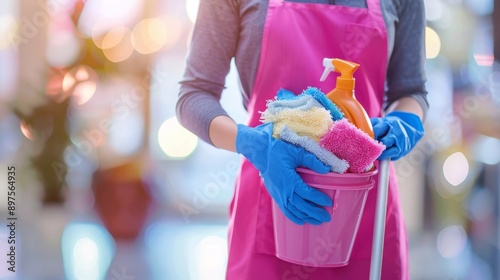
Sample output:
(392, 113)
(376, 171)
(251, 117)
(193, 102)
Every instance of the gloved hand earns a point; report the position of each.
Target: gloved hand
(399, 132)
(276, 160)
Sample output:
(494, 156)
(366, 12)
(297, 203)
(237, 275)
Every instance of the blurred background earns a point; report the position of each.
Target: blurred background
(110, 186)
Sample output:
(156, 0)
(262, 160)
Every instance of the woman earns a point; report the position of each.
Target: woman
(281, 44)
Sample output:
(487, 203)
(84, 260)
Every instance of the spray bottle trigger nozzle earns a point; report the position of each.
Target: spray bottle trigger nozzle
(327, 63)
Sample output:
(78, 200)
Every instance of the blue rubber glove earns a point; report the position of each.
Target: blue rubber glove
(276, 160)
(399, 132)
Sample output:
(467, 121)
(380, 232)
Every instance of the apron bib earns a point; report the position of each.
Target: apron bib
(296, 38)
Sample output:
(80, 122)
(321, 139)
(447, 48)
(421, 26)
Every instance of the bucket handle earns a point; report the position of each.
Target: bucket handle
(335, 196)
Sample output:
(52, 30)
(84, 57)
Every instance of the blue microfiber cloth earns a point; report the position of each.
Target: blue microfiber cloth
(337, 165)
(284, 94)
(302, 102)
(335, 112)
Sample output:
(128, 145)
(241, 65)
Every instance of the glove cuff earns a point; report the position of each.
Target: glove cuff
(242, 136)
(409, 118)
(251, 140)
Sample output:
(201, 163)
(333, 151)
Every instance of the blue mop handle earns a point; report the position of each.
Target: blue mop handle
(378, 233)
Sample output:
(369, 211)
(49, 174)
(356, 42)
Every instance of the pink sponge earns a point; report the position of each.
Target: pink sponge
(350, 143)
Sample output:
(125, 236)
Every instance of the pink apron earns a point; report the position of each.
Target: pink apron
(297, 36)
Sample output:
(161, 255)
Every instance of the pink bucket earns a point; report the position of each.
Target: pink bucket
(329, 244)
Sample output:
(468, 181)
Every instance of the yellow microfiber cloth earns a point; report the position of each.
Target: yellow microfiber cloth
(312, 123)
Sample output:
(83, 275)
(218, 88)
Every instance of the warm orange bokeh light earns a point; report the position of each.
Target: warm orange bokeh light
(27, 131)
(84, 91)
(149, 35)
(117, 44)
(81, 82)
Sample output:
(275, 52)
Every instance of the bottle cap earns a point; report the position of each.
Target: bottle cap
(346, 69)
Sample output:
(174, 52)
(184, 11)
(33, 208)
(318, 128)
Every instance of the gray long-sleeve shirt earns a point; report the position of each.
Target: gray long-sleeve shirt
(227, 29)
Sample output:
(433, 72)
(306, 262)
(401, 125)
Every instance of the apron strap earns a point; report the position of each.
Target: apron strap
(371, 4)
(374, 5)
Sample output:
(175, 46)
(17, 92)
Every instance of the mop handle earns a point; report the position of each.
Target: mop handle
(378, 233)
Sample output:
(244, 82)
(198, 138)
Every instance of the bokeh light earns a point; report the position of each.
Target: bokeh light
(86, 258)
(487, 150)
(63, 48)
(100, 16)
(175, 140)
(82, 73)
(27, 131)
(211, 258)
(84, 91)
(68, 82)
(54, 86)
(117, 44)
(114, 37)
(456, 168)
(484, 59)
(192, 9)
(149, 35)
(8, 29)
(81, 82)
(432, 43)
(194, 250)
(87, 251)
(451, 241)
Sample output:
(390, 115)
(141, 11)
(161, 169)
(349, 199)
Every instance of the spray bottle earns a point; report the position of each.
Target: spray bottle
(343, 94)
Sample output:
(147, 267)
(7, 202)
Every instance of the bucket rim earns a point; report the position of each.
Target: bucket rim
(361, 187)
(333, 174)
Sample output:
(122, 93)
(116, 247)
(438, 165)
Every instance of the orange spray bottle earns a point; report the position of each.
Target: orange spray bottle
(343, 94)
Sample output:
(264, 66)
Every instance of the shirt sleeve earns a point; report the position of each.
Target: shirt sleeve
(213, 45)
(406, 70)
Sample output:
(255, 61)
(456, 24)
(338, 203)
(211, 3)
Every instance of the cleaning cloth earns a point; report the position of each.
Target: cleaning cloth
(337, 165)
(335, 112)
(312, 123)
(350, 143)
(301, 102)
(284, 94)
